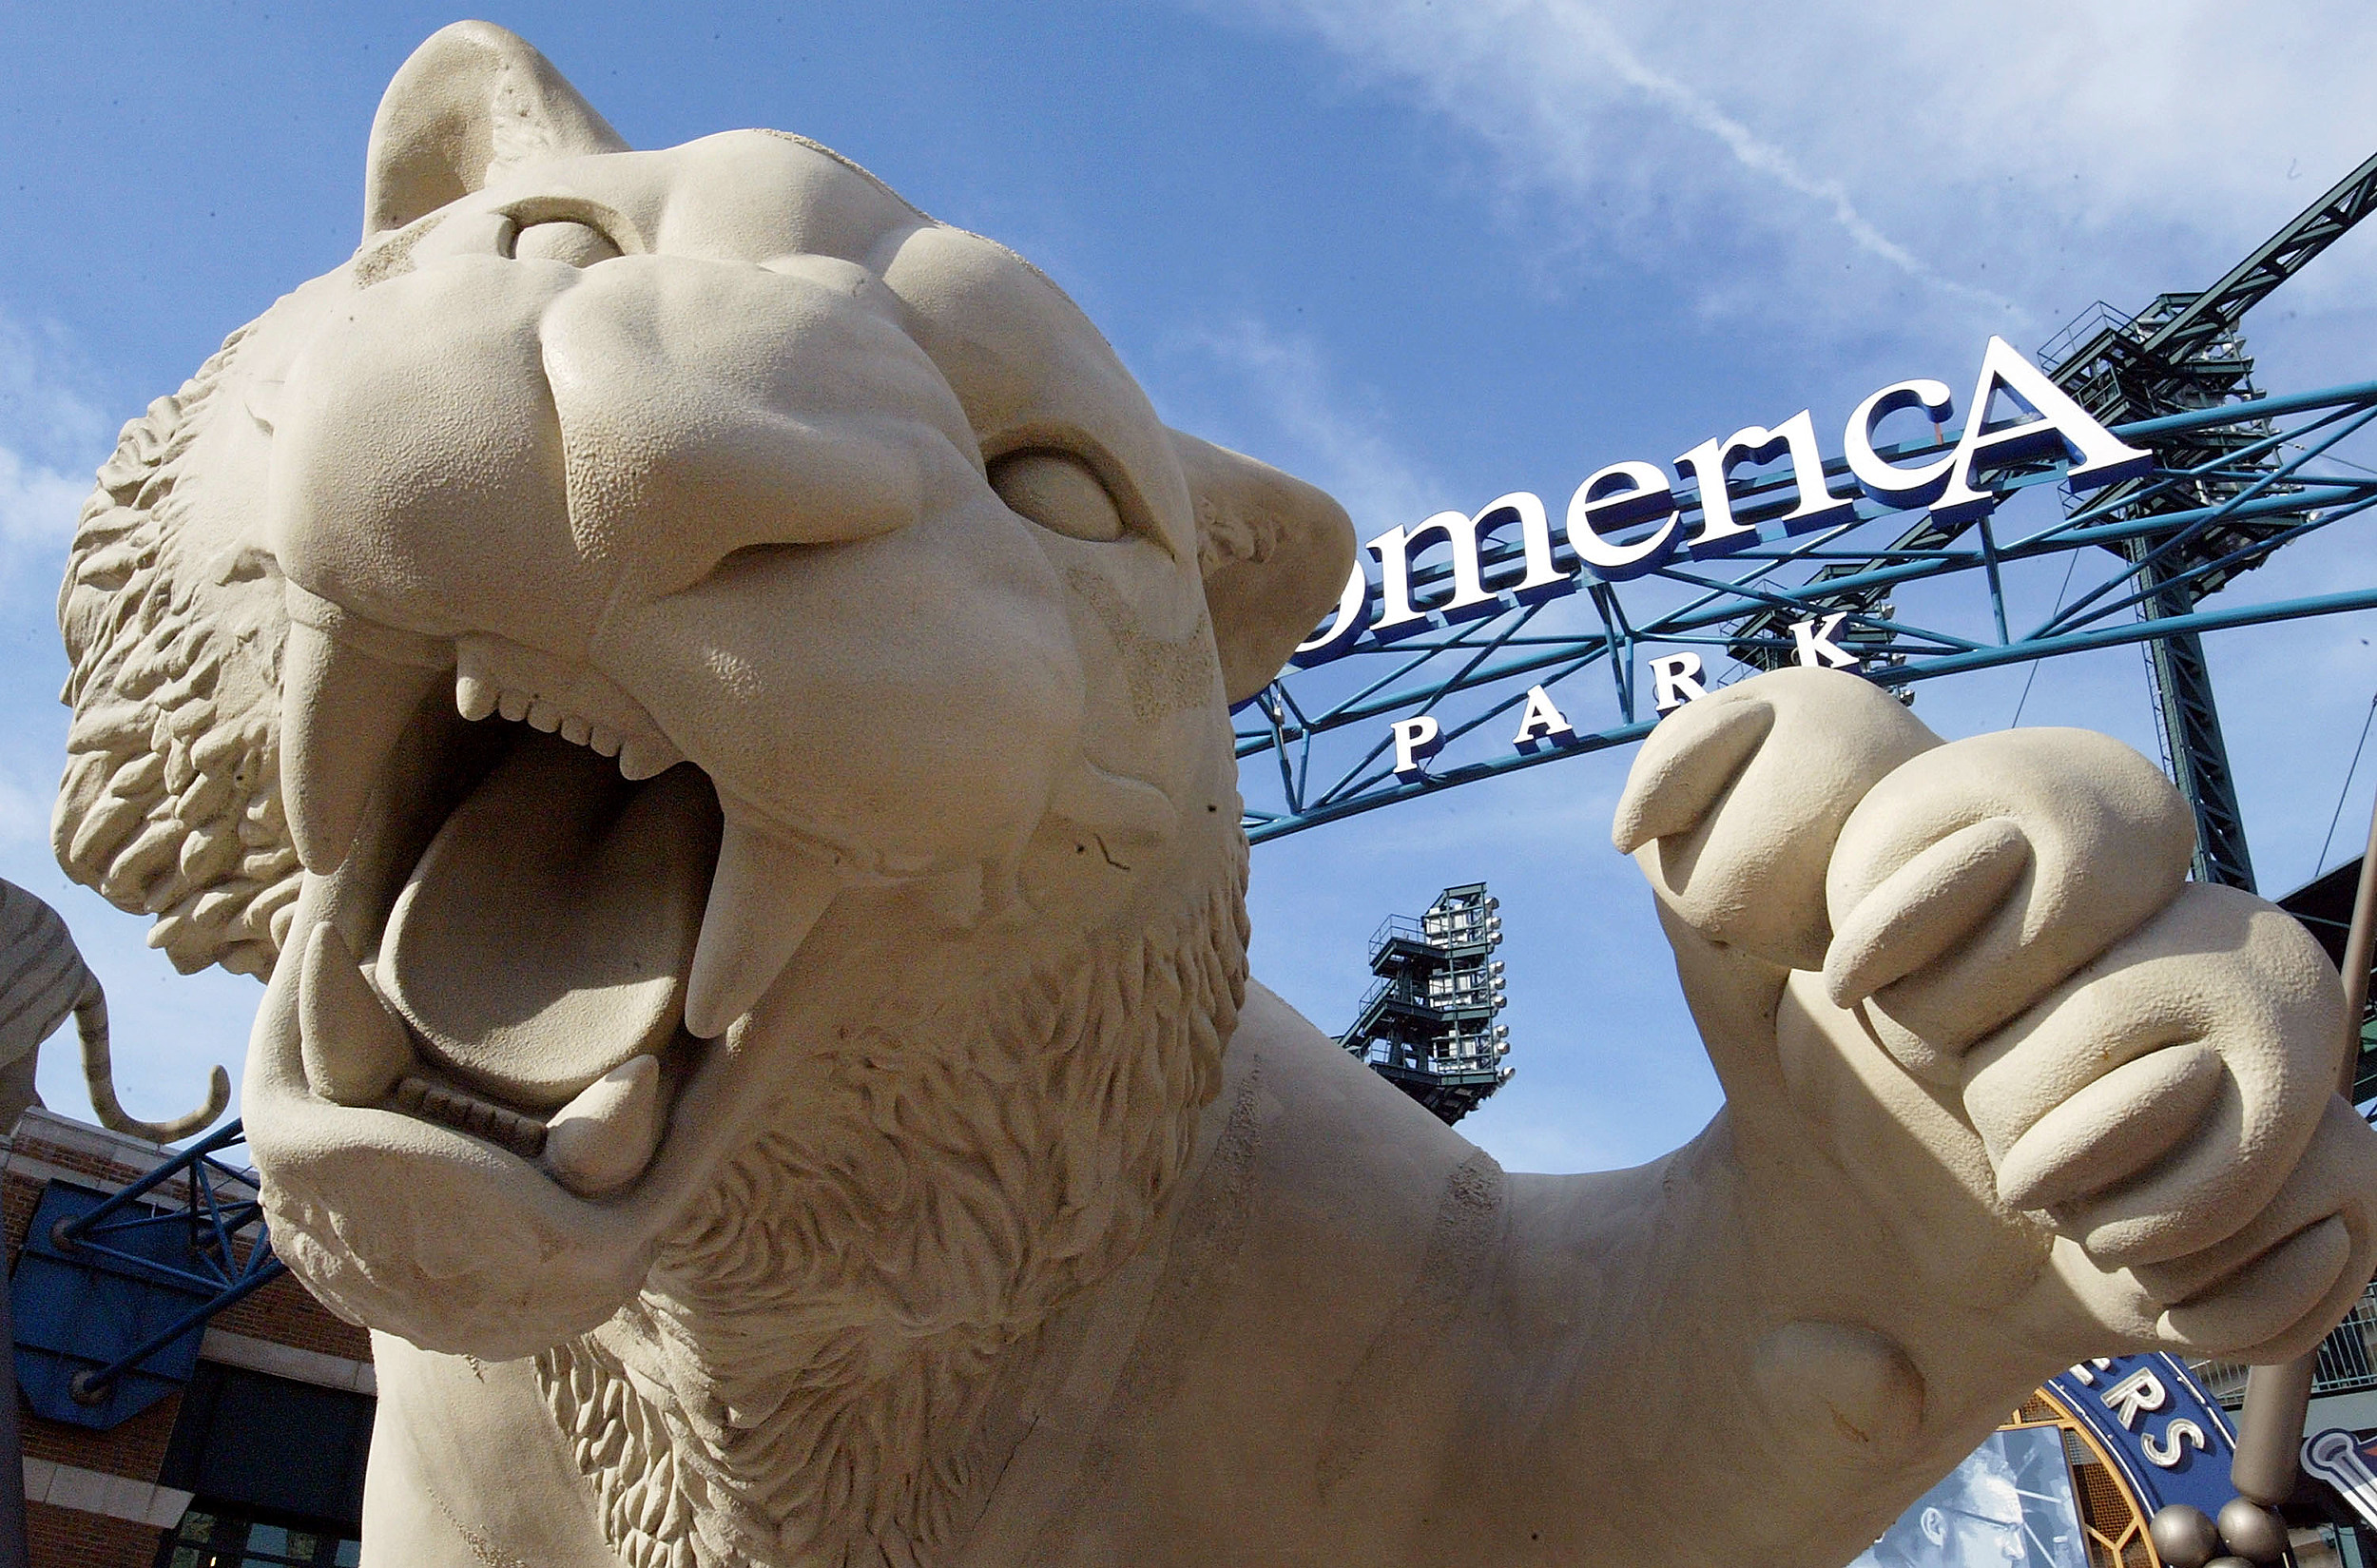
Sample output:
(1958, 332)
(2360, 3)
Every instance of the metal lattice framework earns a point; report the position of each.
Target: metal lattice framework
(2237, 476)
(114, 1291)
(1427, 1026)
(1916, 609)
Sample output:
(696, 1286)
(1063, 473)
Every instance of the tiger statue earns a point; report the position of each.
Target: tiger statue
(706, 691)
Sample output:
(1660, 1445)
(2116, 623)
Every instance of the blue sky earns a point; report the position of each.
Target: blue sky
(1422, 254)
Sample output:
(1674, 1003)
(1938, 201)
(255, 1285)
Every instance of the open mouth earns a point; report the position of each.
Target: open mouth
(546, 972)
(536, 917)
(514, 1031)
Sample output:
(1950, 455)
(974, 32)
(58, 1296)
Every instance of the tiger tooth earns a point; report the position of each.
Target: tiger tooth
(474, 696)
(341, 710)
(765, 897)
(466, 1112)
(605, 1137)
(355, 1049)
(644, 757)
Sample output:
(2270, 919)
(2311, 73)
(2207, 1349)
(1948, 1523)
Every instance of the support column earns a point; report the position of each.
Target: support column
(2191, 732)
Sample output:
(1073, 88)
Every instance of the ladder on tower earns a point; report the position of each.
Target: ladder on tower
(1427, 1025)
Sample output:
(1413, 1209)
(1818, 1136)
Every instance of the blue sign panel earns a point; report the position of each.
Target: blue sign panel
(2170, 1440)
(77, 1311)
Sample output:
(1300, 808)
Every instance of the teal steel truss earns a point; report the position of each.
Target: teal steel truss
(2233, 484)
(2237, 477)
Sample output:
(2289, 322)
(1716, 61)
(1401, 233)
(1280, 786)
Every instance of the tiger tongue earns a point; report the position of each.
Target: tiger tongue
(544, 938)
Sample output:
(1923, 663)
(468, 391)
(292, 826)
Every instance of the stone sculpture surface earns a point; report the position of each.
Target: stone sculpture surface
(42, 982)
(761, 1028)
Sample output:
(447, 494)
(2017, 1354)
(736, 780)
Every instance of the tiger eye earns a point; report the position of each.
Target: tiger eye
(564, 240)
(1059, 492)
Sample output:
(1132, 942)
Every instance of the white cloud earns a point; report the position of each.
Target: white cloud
(50, 437)
(24, 808)
(37, 503)
(1998, 164)
(1315, 427)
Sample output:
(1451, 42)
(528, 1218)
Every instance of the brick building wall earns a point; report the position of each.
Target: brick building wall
(93, 1497)
(71, 1535)
(135, 1449)
(284, 1313)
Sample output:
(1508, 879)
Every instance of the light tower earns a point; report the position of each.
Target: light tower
(1427, 1026)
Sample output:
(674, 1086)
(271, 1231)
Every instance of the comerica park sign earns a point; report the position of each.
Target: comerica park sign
(1625, 521)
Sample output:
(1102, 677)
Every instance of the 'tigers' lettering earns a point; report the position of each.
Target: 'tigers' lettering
(1623, 522)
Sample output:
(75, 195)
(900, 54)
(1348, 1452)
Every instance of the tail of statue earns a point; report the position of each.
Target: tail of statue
(42, 979)
(90, 1021)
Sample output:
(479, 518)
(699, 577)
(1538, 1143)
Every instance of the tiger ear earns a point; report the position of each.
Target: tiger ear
(472, 100)
(1275, 553)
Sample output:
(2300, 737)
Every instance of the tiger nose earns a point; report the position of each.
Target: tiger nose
(710, 407)
(417, 459)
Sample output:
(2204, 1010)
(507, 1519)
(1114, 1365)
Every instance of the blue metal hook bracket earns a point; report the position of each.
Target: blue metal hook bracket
(112, 1293)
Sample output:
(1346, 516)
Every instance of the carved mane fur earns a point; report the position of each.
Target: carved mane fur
(170, 805)
(800, 1381)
